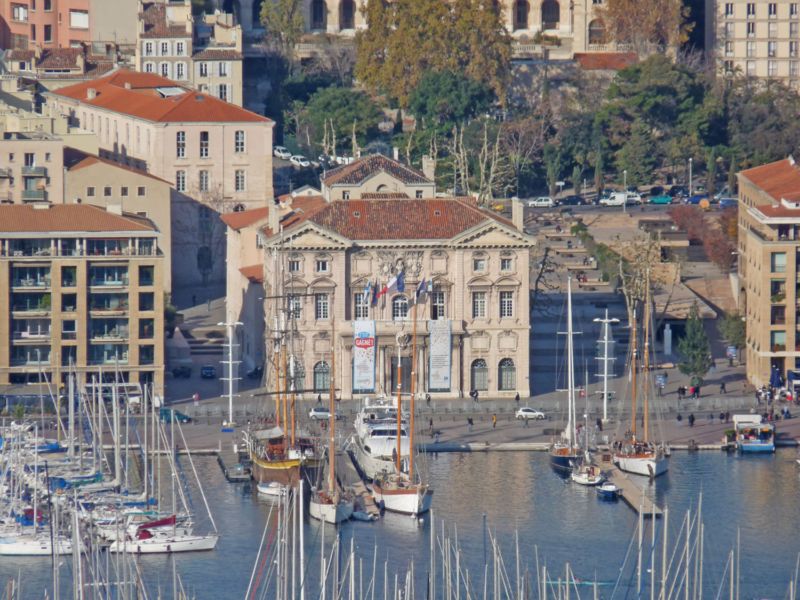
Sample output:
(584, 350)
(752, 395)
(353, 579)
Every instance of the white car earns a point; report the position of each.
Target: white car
(541, 202)
(530, 413)
(319, 413)
(281, 152)
(615, 199)
(298, 160)
(633, 198)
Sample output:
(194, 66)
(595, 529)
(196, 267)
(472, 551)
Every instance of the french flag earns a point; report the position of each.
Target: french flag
(395, 283)
(424, 287)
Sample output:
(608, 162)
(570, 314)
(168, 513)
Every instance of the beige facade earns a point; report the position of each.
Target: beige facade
(573, 22)
(32, 167)
(320, 266)
(202, 52)
(756, 39)
(769, 267)
(114, 21)
(376, 175)
(82, 289)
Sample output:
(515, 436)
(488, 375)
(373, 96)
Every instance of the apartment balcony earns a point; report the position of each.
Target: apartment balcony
(110, 335)
(31, 336)
(113, 281)
(5, 173)
(34, 195)
(31, 283)
(33, 171)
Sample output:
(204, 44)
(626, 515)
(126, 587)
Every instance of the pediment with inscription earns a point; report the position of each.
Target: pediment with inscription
(492, 235)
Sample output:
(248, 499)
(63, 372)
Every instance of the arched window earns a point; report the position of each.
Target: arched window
(238, 208)
(521, 10)
(506, 375)
(551, 14)
(322, 377)
(597, 32)
(318, 14)
(479, 375)
(347, 14)
(400, 308)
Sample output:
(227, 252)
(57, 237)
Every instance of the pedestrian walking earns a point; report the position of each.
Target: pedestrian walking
(691, 419)
(599, 423)
(722, 388)
(494, 421)
(430, 425)
(527, 422)
(727, 417)
(319, 398)
(721, 417)
(428, 399)
(680, 418)
(469, 424)
(516, 398)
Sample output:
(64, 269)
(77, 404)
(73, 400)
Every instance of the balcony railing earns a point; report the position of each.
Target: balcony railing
(69, 335)
(34, 195)
(33, 171)
(30, 282)
(109, 360)
(111, 334)
(31, 335)
(108, 282)
(25, 362)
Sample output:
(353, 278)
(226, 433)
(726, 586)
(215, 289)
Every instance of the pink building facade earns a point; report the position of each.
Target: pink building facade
(25, 24)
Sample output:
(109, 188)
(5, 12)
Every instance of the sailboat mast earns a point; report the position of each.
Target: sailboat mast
(634, 350)
(399, 406)
(570, 369)
(646, 363)
(332, 419)
(285, 390)
(413, 392)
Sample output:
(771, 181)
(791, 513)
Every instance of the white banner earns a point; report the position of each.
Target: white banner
(439, 356)
(363, 357)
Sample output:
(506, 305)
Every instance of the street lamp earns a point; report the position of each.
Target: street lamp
(690, 177)
(230, 325)
(625, 189)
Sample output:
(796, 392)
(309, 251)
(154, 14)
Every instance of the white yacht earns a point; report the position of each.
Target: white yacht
(375, 439)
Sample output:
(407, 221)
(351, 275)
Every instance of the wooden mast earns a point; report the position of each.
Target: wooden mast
(277, 362)
(285, 393)
(633, 376)
(646, 359)
(332, 417)
(413, 392)
(399, 406)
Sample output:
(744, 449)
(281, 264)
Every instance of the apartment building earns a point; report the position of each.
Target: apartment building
(203, 52)
(769, 267)
(82, 290)
(756, 39)
(575, 23)
(52, 68)
(25, 24)
(216, 155)
(31, 167)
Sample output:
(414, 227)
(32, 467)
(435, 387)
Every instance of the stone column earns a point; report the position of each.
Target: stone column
(333, 16)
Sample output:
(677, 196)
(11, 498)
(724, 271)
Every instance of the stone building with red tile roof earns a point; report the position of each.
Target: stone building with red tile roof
(473, 326)
(84, 294)
(769, 267)
(378, 174)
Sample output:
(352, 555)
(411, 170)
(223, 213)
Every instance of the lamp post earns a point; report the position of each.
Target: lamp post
(230, 325)
(625, 189)
(690, 177)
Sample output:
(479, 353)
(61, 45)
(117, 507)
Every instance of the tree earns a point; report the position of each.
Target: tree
(407, 38)
(636, 155)
(444, 98)
(284, 23)
(647, 25)
(733, 330)
(695, 348)
(343, 110)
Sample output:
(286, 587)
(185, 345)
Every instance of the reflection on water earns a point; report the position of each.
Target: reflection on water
(516, 492)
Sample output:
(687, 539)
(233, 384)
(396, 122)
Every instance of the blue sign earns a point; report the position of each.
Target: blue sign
(731, 352)
(661, 381)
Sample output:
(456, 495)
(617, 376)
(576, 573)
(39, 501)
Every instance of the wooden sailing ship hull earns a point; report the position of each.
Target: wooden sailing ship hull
(647, 464)
(285, 472)
(411, 500)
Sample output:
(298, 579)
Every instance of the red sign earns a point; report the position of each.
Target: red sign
(365, 342)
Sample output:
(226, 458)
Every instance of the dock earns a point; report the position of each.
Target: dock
(359, 487)
(631, 493)
(232, 465)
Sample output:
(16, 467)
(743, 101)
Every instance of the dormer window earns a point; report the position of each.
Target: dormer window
(322, 266)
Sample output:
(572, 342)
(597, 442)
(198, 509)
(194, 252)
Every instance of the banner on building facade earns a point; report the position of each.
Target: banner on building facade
(363, 357)
(439, 356)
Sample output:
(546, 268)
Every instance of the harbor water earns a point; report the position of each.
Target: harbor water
(517, 492)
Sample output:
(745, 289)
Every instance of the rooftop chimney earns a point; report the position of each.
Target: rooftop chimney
(274, 217)
(518, 214)
(429, 167)
(91, 94)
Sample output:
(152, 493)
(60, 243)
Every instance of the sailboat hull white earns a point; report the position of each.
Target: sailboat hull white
(648, 466)
(33, 546)
(330, 513)
(414, 500)
(374, 465)
(167, 545)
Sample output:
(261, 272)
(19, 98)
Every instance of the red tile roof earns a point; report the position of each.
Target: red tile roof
(254, 273)
(142, 100)
(363, 168)
(218, 54)
(60, 58)
(778, 179)
(16, 54)
(244, 218)
(20, 218)
(154, 15)
(408, 219)
(605, 61)
(777, 212)
(75, 160)
(301, 208)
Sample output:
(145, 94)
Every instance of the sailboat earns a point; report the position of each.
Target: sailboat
(639, 455)
(587, 473)
(565, 453)
(331, 505)
(400, 491)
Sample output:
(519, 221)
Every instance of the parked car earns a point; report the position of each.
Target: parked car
(526, 413)
(182, 371)
(728, 203)
(656, 190)
(661, 199)
(633, 198)
(281, 152)
(298, 160)
(166, 415)
(696, 199)
(319, 413)
(541, 202)
(208, 372)
(679, 191)
(572, 200)
(615, 199)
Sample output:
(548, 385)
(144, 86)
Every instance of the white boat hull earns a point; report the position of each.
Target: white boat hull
(272, 489)
(166, 544)
(34, 546)
(374, 466)
(414, 500)
(330, 513)
(649, 466)
(584, 478)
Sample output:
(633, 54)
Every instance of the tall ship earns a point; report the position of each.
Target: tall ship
(375, 438)
(638, 453)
